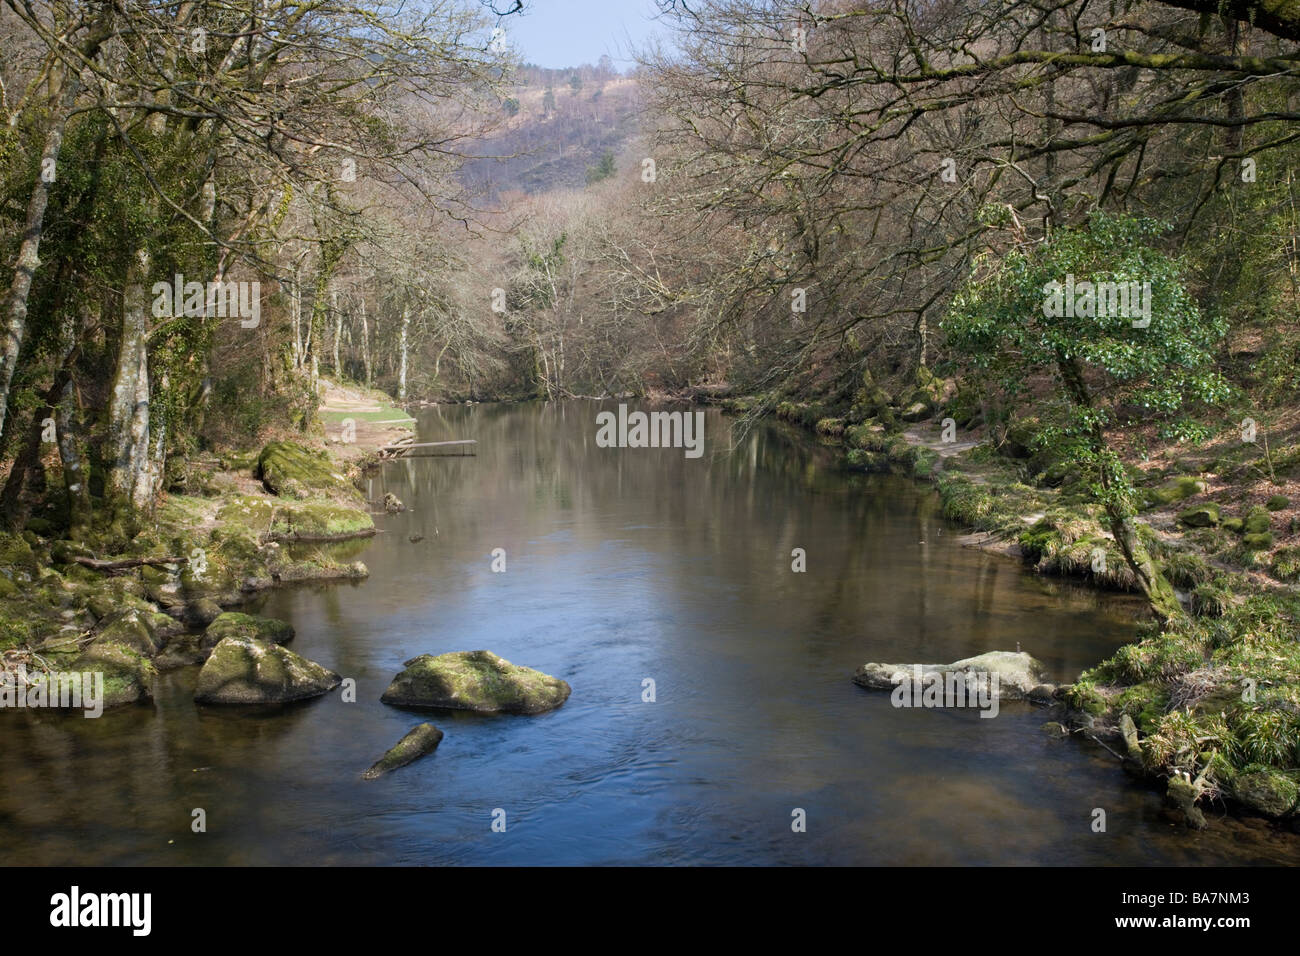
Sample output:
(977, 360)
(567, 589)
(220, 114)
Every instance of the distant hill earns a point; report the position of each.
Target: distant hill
(561, 124)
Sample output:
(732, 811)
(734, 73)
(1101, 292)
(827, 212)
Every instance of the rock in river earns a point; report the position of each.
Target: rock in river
(128, 675)
(421, 740)
(475, 680)
(234, 624)
(1018, 673)
(245, 670)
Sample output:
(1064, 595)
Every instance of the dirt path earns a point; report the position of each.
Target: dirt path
(359, 420)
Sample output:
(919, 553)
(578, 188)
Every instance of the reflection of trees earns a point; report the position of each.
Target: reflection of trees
(721, 524)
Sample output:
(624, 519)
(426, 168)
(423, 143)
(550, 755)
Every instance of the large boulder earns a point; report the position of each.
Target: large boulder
(1268, 792)
(131, 628)
(1018, 673)
(246, 670)
(291, 470)
(479, 681)
(235, 624)
(128, 675)
(421, 740)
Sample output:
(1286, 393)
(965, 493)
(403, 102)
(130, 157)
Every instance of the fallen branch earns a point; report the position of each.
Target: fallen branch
(112, 567)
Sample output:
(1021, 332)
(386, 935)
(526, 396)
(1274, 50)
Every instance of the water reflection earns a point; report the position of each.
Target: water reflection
(623, 566)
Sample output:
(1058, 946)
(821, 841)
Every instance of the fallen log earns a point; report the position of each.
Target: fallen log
(112, 567)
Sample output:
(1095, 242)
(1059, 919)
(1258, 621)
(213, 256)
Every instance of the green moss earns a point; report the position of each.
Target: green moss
(420, 740)
(1200, 517)
(475, 680)
(235, 624)
(1277, 503)
(1182, 487)
(1258, 521)
(290, 470)
(1257, 542)
(244, 670)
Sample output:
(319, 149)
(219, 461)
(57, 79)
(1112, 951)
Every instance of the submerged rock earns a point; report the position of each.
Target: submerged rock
(475, 680)
(1018, 673)
(183, 651)
(201, 612)
(421, 740)
(235, 624)
(246, 670)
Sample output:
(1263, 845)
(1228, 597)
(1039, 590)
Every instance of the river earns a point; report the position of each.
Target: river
(624, 566)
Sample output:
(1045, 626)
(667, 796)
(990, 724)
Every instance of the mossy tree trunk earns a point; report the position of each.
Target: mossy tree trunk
(1155, 588)
(127, 486)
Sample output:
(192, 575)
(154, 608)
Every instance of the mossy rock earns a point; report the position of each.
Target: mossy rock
(1278, 503)
(1235, 525)
(420, 740)
(320, 521)
(43, 527)
(16, 555)
(917, 411)
(1257, 542)
(1258, 521)
(1202, 516)
(290, 470)
(234, 624)
(128, 676)
(478, 681)
(1268, 792)
(1021, 438)
(1176, 490)
(130, 629)
(244, 670)
(183, 651)
(290, 572)
(201, 612)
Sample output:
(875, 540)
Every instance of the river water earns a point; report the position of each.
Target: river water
(624, 566)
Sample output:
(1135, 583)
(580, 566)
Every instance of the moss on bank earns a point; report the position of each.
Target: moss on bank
(205, 549)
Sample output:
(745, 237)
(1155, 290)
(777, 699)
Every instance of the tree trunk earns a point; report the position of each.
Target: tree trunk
(365, 343)
(338, 330)
(28, 259)
(295, 306)
(1155, 588)
(127, 486)
(76, 481)
(401, 375)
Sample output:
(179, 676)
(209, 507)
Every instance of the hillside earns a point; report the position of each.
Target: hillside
(557, 131)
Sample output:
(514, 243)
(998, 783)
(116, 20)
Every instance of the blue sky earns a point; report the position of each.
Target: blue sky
(560, 33)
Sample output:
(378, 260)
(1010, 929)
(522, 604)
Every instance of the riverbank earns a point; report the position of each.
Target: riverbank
(232, 526)
(1209, 706)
